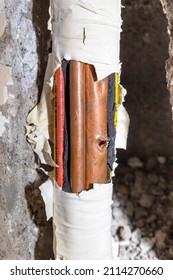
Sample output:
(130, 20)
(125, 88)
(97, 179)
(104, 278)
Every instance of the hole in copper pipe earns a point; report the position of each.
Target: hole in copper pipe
(102, 144)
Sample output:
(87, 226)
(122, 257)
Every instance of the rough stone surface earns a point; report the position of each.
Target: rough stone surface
(21, 230)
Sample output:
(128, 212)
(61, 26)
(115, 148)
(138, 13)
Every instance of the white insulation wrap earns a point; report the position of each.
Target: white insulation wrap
(83, 30)
(82, 224)
(87, 31)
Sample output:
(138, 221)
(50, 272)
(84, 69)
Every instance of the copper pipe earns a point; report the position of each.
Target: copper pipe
(96, 128)
(77, 126)
(59, 107)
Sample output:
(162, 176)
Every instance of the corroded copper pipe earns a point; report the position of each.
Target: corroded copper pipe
(96, 128)
(77, 126)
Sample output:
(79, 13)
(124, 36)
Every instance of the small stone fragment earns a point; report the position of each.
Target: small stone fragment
(152, 255)
(129, 208)
(124, 232)
(135, 162)
(139, 184)
(146, 200)
(161, 238)
(151, 219)
(146, 244)
(161, 159)
(136, 236)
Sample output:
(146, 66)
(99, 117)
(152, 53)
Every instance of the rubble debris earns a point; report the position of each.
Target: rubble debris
(142, 209)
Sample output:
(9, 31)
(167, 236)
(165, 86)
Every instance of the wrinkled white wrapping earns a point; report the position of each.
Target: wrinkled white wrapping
(122, 128)
(47, 194)
(87, 31)
(82, 224)
(40, 120)
(123, 122)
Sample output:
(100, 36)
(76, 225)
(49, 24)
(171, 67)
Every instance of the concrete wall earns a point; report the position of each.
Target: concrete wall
(22, 48)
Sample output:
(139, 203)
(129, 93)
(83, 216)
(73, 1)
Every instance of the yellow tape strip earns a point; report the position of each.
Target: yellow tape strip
(55, 125)
(118, 98)
(118, 101)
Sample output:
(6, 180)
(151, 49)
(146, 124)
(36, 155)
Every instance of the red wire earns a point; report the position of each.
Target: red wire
(60, 125)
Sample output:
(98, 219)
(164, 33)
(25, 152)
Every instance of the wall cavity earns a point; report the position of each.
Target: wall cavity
(144, 50)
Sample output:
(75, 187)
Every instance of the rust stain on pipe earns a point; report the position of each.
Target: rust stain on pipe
(77, 126)
(96, 128)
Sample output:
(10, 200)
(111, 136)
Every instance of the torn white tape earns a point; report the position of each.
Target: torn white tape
(81, 221)
(47, 194)
(82, 224)
(87, 31)
(40, 121)
(122, 128)
(123, 122)
(42, 114)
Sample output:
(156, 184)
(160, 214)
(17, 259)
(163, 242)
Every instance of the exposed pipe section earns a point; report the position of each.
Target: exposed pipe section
(59, 125)
(77, 126)
(96, 128)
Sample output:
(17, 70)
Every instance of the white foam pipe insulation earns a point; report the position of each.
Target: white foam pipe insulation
(86, 31)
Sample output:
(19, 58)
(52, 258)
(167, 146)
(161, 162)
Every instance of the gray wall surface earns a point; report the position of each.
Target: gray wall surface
(23, 47)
